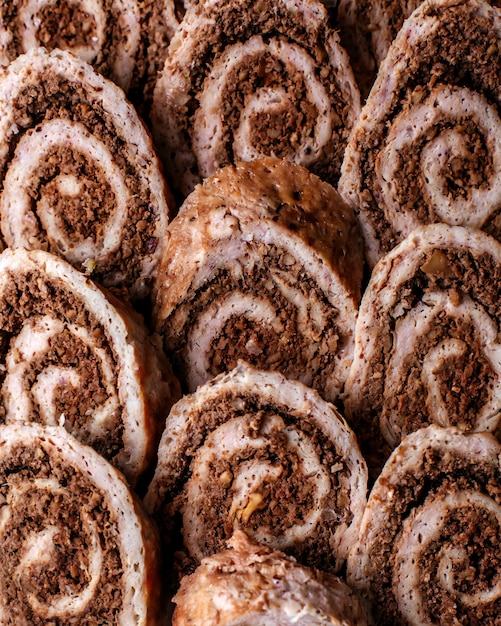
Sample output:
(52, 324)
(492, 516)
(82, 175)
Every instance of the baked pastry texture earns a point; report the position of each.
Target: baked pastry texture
(427, 340)
(244, 80)
(253, 451)
(263, 262)
(73, 355)
(75, 544)
(252, 584)
(106, 34)
(78, 172)
(426, 147)
(428, 551)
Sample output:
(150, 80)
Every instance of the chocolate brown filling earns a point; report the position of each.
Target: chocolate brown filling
(464, 380)
(456, 53)
(81, 216)
(55, 97)
(285, 501)
(67, 571)
(297, 349)
(474, 531)
(65, 26)
(31, 295)
(459, 175)
(233, 24)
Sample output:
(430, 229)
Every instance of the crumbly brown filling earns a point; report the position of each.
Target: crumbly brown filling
(279, 133)
(55, 97)
(284, 501)
(65, 26)
(232, 24)
(274, 133)
(465, 380)
(458, 177)
(31, 295)
(300, 350)
(465, 383)
(85, 214)
(66, 571)
(479, 533)
(467, 60)
(474, 531)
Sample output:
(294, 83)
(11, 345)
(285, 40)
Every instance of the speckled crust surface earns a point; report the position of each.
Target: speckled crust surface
(263, 262)
(426, 147)
(246, 79)
(428, 551)
(254, 451)
(78, 172)
(427, 340)
(252, 584)
(73, 355)
(76, 546)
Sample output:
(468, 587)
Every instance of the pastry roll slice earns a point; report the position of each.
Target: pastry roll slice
(252, 584)
(264, 263)
(75, 544)
(78, 173)
(244, 80)
(72, 355)
(253, 451)
(106, 34)
(428, 551)
(427, 340)
(427, 146)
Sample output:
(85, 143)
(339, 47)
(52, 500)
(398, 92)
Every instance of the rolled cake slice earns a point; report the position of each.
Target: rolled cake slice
(106, 34)
(72, 355)
(75, 544)
(78, 172)
(252, 584)
(264, 263)
(427, 340)
(368, 28)
(428, 551)
(244, 80)
(256, 452)
(427, 146)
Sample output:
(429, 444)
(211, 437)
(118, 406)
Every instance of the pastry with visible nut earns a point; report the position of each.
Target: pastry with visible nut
(253, 451)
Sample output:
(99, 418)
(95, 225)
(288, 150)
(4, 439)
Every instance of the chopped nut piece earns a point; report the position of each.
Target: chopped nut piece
(225, 479)
(255, 503)
(436, 264)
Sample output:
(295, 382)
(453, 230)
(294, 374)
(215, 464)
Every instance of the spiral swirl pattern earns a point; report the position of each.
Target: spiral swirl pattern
(72, 356)
(427, 339)
(78, 173)
(265, 280)
(426, 147)
(106, 35)
(271, 457)
(75, 545)
(243, 81)
(427, 552)
(253, 584)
